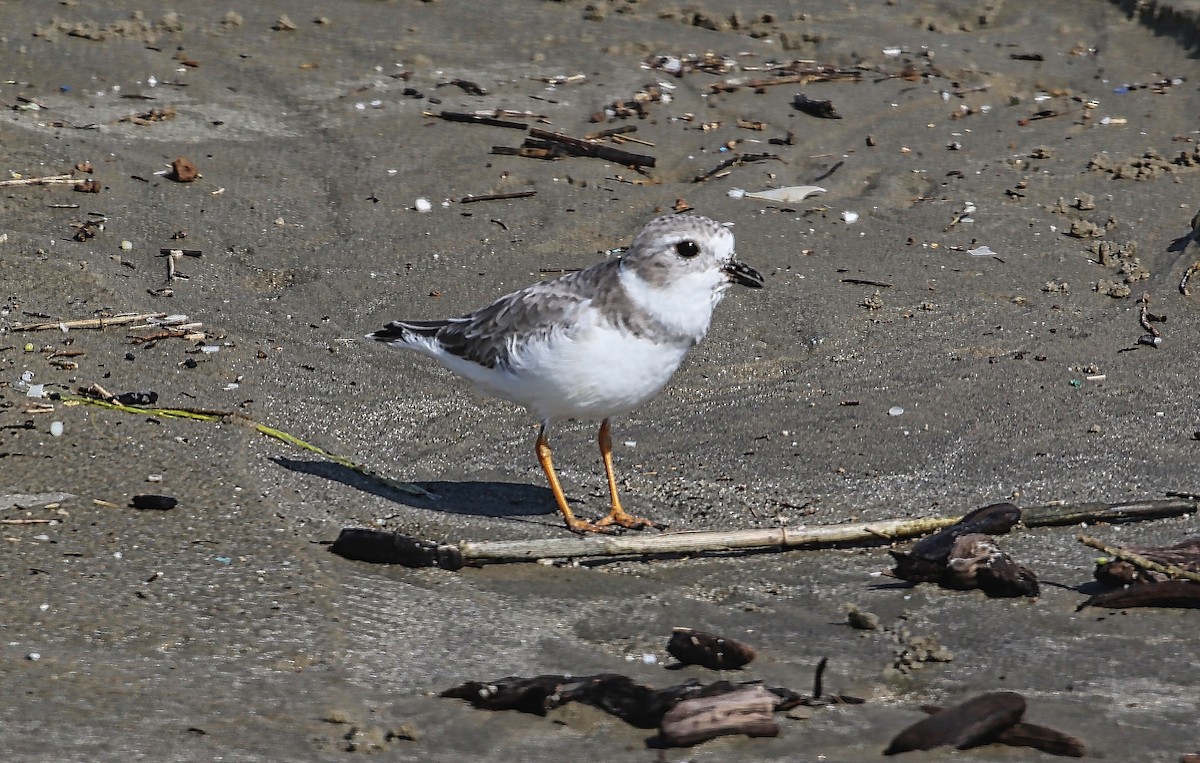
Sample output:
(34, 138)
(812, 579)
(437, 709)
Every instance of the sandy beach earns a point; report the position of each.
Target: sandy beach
(957, 320)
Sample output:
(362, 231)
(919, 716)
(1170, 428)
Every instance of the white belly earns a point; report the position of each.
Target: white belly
(589, 375)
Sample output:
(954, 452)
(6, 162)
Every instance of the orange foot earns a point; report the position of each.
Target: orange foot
(628, 521)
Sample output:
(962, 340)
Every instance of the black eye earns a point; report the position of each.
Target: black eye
(687, 249)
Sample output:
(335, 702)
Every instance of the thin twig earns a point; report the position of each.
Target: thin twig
(205, 414)
(497, 196)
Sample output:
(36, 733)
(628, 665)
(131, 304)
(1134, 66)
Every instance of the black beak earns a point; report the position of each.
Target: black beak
(743, 274)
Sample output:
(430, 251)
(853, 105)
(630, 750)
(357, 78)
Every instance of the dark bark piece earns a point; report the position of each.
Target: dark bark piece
(949, 560)
(381, 547)
(1182, 594)
(745, 711)
(528, 695)
(977, 562)
(153, 502)
(994, 519)
(693, 647)
(634, 703)
(974, 722)
(1044, 738)
(812, 107)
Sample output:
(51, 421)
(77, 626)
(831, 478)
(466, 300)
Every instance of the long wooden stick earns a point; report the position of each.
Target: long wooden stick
(799, 537)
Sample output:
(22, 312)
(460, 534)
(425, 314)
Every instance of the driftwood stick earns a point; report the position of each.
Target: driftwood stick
(799, 537)
(48, 180)
(1139, 560)
(699, 540)
(394, 548)
(89, 323)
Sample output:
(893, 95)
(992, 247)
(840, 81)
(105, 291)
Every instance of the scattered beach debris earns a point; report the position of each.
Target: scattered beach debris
(815, 108)
(1149, 576)
(737, 159)
(686, 714)
(692, 647)
(965, 556)
(992, 718)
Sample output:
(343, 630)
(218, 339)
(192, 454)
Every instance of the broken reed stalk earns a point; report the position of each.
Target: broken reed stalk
(781, 538)
(1138, 560)
(204, 414)
(95, 323)
(47, 180)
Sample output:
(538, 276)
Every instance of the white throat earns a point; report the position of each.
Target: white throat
(684, 306)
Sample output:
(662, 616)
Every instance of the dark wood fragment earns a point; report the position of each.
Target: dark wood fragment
(813, 107)
(745, 711)
(692, 647)
(381, 547)
(1183, 594)
(974, 722)
(153, 502)
(458, 116)
(580, 147)
(1044, 738)
(977, 562)
(528, 695)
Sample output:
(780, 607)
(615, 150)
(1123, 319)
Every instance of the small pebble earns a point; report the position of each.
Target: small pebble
(850, 217)
(895, 410)
(423, 205)
(33, 656)
(56, 428)
(126, 245)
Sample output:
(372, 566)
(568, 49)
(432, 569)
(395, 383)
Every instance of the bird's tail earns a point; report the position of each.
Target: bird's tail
(402, 333)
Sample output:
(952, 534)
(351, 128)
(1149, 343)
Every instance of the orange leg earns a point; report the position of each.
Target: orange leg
(616, 515)
(574, 524)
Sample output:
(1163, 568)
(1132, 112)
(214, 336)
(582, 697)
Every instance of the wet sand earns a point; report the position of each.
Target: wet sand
(224, 628)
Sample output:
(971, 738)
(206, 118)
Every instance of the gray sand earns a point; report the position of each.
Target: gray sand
(222, 629)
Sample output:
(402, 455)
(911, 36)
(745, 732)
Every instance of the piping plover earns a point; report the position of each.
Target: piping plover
(592, 344)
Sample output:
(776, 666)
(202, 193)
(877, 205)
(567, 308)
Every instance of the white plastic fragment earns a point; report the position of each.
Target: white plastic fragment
(891, 52)
(126, 245)
(56, 428)
(850, 217)
(736, 193)
(209, 349)
(895, 410)
(35, 390)
(981, 251)
(423, 205)
(789, 194)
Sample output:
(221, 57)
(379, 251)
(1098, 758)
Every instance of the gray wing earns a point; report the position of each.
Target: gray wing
(491, 334)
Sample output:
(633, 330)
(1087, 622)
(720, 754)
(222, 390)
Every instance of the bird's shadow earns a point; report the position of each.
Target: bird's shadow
(484, 499)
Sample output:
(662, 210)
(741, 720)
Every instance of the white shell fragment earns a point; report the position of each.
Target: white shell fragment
(790, 194)
(850, 217)
(423, 205)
